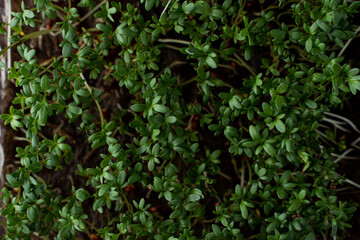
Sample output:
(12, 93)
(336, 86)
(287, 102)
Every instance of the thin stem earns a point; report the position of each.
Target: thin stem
(22, 139)
(250, 169)
(344, 119)
(209, 220)
(343, 155)
(167, 5)
(44, 69)
(92, 11)
(352, 183)
(96, 102)
(336, 124)
(59, 8)
(242, 183)
(325, 137)
(129, 207)
(162, 166)
(51, 62)
(187, 82)
(228, 67)
(283, 13)
(170, 66)
(90, 224)
(241, 62)
(29, 36)
(171, 40)
(348, 42)
(233, 161)
(172, 47)
(225, 176)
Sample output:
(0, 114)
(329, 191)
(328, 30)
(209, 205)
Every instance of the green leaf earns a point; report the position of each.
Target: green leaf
(354, 84)
(308, 44)
(302, 194)
(216, 230)
(156, 121)
(28, 13)
(45, 83)
(138, 107)
(254, 133)
(281, 192)
(278, 34)
(133, 178)
(16, 124)
(261, 172)
(295, 205)
(234, 103)
(267, 109)
(323, 25)
(70, 35)
(24, 72)
(161, 108)
(149, 4)
(67, 49)
(13, 182)
(170, 119)
(271, 227)
(210, 61)
(270, 149)
(110, 126)
(151, 165)
(188, 8)
(299, 74)
(144, 38)
(42, 114)
(29, 55)
(216, 13)
(280, 126)
(75, 109)
(243, 209)
(82, 194)
(289, 145)
(193, 197)
(247, 54)
(32, 214)
(353, 6)
(65, 147)
(230, 132)
(310, 103)
(310, 236)
(227, 4)
(179, 28)
(339, 34)
(158, 185)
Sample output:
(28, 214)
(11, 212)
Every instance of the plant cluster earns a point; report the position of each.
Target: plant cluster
(218, 141)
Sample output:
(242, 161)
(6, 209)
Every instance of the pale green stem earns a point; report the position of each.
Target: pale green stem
(27, 37)
(96, 102)
(172, 47)
(126, 201)
(92, 11)
(352, 183)
(171, 40)
(244, 64)
(250, 169)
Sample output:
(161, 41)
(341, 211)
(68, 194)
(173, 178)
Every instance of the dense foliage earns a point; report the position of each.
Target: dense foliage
(212, 133)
